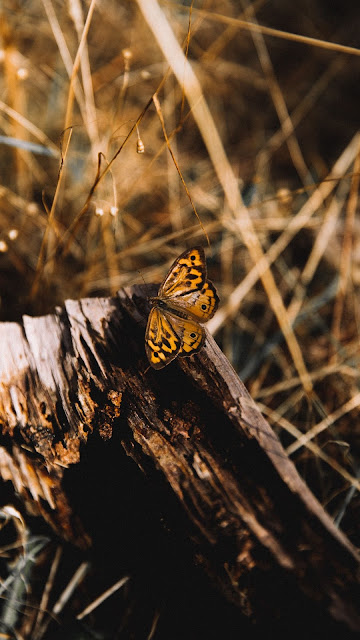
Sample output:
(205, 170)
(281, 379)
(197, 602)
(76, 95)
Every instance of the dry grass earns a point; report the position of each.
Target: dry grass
(250, 143)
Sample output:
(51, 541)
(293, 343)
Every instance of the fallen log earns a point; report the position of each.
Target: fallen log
(219, 476)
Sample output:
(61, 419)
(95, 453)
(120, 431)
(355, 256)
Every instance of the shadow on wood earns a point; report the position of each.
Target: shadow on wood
(178, 462)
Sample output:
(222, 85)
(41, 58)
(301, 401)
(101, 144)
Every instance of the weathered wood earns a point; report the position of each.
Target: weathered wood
(255, 526)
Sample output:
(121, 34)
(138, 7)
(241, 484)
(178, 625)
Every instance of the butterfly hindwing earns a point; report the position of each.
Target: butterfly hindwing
(191, 334)
(200, 305)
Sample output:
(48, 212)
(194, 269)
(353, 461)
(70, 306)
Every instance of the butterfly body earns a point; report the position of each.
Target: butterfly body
(185, 300)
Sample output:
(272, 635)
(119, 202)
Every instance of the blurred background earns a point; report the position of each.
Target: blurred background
(91, 199)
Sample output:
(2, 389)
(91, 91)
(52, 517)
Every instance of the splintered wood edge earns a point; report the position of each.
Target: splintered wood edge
(75, 328)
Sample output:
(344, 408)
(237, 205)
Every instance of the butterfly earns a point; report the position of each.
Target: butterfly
(185, 300)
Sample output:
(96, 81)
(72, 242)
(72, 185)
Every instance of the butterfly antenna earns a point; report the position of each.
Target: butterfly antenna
(141, 275)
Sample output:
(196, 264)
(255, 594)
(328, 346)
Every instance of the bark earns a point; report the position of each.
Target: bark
(211, 457)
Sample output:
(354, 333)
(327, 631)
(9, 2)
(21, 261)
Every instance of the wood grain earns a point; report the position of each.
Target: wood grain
(192, 428)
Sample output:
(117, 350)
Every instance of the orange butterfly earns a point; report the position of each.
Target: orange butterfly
(185, 299)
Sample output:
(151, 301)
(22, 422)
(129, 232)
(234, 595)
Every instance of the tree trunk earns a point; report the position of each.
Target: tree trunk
(216, 468)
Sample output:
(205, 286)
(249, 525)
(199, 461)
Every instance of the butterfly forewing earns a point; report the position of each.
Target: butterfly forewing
(162, 344)
(187, 273)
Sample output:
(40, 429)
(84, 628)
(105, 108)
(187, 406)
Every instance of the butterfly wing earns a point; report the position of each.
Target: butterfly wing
(187, 273)
(191, 334)
(168, 336)
(162, 344)
(201, 304)
(186, 288)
